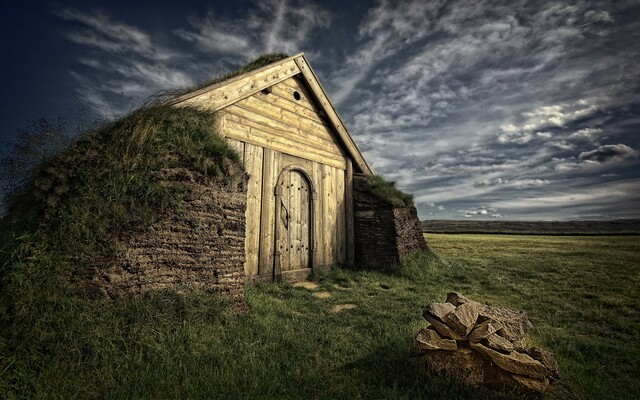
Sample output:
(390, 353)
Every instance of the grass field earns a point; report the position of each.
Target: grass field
(581, 294)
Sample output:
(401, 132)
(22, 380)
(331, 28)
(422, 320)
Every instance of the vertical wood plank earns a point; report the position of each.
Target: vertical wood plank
(253, 156)
(348, 186)
(328, 214)
(296, 231)
(294, 220)
(304, 223)
(341, 227)
(283, 224)
(298, 221)
(270, 173)
(318, 232)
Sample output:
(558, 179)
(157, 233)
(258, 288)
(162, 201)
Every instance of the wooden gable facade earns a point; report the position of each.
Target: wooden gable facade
(300, 160)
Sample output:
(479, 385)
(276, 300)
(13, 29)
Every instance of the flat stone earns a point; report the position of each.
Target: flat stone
(322, 295)
(464, 364)
(499, 343)
(518, 363)
(519, 384)
(442, 328)
(546, 358)
(457, 299)
(306, 285)
(481, 331)
(515, 324)
(439, 310)
(342, 307)
(462, 319)
(429, 339)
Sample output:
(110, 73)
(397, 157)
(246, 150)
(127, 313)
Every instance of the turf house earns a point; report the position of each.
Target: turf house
(251, 178)
(301, 163)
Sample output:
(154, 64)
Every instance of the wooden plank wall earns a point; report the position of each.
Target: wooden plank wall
(270, 172)
(267, 129)
(278, 121)
(253, 165)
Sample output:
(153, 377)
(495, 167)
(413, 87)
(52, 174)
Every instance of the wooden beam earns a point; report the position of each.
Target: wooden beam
(261, 137)
(348, 186)
(222, 94)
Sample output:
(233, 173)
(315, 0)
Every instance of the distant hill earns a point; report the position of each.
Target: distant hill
(612, 227)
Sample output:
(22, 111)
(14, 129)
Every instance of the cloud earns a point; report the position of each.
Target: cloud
(528, 183)
(544, 135)
(433, 205)
(605, 199)
(270, 26)
(592, 135)
(127, 61)
(103, 33)
(515, 138)
(512, 183)
(553, 116)
(489, 182)
(387, 28)
(481, 211)
(609, 152)
(463, 103)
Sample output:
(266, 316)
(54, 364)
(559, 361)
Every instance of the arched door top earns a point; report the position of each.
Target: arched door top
(292, 167)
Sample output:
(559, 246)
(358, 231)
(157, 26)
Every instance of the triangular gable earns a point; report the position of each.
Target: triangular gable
(223, 94)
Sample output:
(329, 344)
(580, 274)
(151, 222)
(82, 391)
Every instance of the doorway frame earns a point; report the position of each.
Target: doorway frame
(277, 272)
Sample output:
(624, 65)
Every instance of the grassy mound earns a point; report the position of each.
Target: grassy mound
(82, 201)
(388, 191)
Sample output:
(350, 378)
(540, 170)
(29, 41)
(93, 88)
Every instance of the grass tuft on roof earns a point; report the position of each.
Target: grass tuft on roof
(388, 191)
(262, 61)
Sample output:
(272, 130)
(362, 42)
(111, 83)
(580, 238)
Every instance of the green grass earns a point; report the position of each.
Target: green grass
(83, 202)
(387, 190)
(262, 61)
(580, 292)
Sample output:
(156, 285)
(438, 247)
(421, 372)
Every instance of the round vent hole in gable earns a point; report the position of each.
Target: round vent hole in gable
(296, 96)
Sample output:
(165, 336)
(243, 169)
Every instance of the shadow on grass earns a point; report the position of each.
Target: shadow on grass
(395, 372)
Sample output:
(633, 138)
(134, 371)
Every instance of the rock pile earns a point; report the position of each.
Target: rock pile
(484, 345)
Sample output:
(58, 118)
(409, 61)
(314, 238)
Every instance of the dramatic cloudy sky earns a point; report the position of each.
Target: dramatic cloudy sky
(483, 109)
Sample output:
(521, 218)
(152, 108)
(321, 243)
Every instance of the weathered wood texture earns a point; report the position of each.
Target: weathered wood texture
(270, 88)
(293, 225)
(274, 120)
(312, 229)
(220, 95)
(348, 212)
(253, 166)
(332, 115)
(270, 172)
(277, 122)
(285, 129)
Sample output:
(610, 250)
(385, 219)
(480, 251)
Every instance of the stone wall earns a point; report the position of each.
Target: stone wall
(384, 234)
(199, 244)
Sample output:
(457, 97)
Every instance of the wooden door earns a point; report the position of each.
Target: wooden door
(294, 227)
